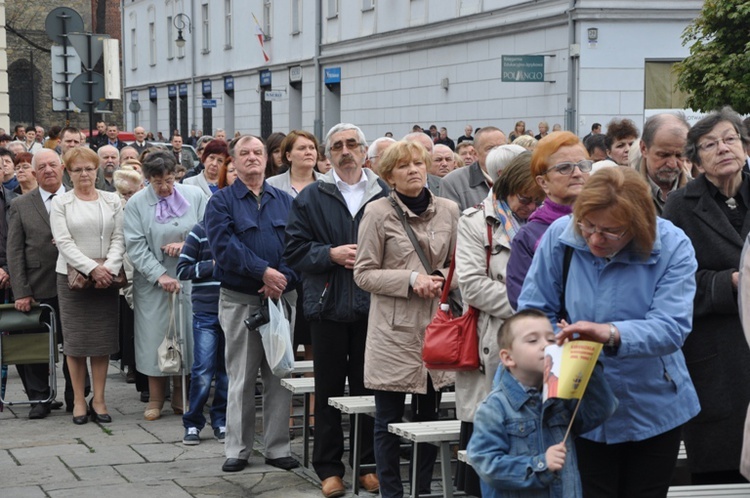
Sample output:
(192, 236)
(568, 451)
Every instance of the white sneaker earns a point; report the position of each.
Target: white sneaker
(220, 433)
(192, 436)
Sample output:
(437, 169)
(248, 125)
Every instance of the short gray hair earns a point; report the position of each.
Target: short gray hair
(344, 127)
(704, 127)
(372, 150)
(500, 157)
(652, 125)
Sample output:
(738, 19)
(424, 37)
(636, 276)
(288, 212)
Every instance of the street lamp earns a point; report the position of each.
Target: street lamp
(182, 21)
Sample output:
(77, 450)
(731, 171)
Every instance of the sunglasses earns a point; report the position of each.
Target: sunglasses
(528, 200)
(351, 143)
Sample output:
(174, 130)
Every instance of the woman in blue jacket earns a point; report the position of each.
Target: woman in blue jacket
(630, 286)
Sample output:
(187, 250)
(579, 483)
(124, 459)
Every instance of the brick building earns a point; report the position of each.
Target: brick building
(29, 59)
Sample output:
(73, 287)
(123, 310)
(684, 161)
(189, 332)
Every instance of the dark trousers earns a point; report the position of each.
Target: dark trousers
(640, 469)
(338, 353)
(389, 409)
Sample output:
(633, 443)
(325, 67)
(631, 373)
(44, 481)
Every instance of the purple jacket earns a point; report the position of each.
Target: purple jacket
(524, 246)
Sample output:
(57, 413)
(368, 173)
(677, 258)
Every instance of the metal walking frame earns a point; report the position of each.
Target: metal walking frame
(21, 343)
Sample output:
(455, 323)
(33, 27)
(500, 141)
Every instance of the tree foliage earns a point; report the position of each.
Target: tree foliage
(717, 71)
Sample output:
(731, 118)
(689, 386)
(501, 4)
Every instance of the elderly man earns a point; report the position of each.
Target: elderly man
(467, 187)
(321, 245)
(109, 161)
(245, 226)
(128, 153)
(32, 256)
(442, 161)
(466, 136)
(433, 182)
(662, 155)
(140, 144)
(220, 134)
(375, 150)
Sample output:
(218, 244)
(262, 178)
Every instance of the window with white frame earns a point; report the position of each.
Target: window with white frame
(368, 5)
(205, 29)
(296, 14)
(133, 49)
(333, 8)
(228, 24)
(170, 38)
(179, 8)
(152, 44)
(267, 19)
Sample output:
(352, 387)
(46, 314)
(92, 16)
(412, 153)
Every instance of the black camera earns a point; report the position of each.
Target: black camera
(260, 317)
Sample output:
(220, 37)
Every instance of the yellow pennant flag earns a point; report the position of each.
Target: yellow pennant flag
(568, 368)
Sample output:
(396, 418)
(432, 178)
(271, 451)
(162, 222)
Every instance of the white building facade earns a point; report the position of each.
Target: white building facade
(386, 65)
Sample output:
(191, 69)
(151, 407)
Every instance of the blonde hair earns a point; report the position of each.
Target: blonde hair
(402, 151)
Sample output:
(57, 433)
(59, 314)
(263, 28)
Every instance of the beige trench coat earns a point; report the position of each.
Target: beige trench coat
(398, 317)
(485, 292)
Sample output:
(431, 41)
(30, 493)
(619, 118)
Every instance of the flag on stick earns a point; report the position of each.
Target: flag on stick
(567, 370)
(261, 38)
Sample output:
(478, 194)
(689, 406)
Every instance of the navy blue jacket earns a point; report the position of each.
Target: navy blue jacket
(319, 220)
(246, 238)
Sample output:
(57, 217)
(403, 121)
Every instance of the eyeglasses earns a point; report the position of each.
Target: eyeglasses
(528, 200)
(78, 171)
(351, 143)
(711, 146)
(24, 166)
(568, 167)
(162, 183)
(588, 231)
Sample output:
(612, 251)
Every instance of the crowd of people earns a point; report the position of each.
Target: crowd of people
(633, 240)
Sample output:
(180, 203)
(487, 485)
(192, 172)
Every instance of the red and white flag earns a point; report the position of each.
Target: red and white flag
(261, 37)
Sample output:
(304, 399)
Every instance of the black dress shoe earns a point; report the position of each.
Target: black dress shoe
(83, 419)
(234, 465)
(104, 418)
(284, 463)
(144, 396)
(40, 410)
(55, 405)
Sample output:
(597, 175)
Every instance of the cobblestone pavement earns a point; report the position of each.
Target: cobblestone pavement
(130, 457)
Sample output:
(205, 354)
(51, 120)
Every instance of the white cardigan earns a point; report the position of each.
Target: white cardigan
(84, 230)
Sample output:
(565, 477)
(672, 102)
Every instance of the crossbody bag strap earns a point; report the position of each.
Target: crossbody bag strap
(412, 236)
(563, 313)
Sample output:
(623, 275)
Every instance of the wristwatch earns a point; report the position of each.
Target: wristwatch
(610, 344)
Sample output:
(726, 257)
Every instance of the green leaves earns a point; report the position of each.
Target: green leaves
(716, 73)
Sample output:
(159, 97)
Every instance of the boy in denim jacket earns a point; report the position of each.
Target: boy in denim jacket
(516, 447)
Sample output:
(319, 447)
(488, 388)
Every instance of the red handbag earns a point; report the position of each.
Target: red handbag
(452, 343)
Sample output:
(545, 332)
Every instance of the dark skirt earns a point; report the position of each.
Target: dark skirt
(90, 320)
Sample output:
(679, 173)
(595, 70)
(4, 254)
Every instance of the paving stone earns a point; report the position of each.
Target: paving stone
(162, 490)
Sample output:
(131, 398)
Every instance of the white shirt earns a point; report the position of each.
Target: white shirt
(47, 196)
(353, 194)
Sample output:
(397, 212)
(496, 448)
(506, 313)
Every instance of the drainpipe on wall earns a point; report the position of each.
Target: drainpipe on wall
(571, 123)
(318, 125)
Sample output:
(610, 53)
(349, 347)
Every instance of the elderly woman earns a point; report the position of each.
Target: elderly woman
(621, 133)
(515, 195)
(157, 220)
(630, 287)
(713, 212)
(561, 166)
(299, 150)
(214, 154)
(404, 298)
(86, 224)
(25, 173)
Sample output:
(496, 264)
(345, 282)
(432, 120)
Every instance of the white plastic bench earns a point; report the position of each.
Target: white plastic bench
(440, 433)
(712, 491)
(303, 367)
(365, 405)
